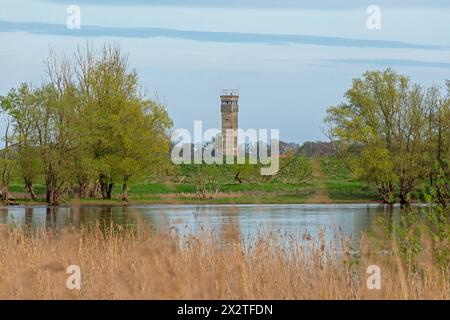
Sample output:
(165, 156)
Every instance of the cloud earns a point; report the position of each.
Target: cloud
(205, 36)
(393, 63)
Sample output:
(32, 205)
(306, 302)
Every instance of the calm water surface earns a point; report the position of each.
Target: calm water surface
(336, 220)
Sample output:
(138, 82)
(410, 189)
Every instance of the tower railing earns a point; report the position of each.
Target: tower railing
(230, 92)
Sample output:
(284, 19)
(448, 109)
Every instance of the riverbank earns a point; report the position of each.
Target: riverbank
(223, 198)
(327, 182)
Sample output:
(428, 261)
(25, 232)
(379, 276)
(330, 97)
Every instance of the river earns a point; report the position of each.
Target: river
(334, 221)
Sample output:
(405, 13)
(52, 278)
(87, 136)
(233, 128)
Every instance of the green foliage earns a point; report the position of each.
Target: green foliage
(390, 132)
(408, 233)
(438, 221)
(87, 126)
(421, 233)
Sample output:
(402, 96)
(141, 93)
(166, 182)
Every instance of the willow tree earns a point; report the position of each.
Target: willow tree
(140, 141)
(440, 148)
(123, 132)
(54, 108)
(380, 132)
(18, 105)
(87, 125)
(6, 164)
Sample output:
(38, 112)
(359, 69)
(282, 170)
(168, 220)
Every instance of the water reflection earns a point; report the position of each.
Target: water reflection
(230, 222)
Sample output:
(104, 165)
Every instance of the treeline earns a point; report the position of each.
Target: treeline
(395, 134)
(87, 127)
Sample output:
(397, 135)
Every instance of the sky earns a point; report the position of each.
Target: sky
(290, 59)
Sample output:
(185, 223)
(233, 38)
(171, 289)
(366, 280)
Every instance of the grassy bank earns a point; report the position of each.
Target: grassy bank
(342, 186)
(327, 182)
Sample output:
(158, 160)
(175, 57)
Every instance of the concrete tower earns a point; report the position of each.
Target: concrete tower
(229, 108)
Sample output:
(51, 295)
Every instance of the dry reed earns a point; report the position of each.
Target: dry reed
(142, 265)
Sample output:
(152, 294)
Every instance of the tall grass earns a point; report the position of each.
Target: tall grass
(120, 264)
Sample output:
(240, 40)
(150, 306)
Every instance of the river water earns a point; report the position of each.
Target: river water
(333, 221)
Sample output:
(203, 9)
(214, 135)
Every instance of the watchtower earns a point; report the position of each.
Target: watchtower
(229, 108)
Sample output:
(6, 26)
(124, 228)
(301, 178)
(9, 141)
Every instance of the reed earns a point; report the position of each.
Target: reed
(119, 264)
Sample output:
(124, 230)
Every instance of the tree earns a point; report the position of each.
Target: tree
(18, 106)
(53, 118)
(7, 164)
(380, 132)
(141, 142)
(88, 125)
(125, 134)
(205, 180)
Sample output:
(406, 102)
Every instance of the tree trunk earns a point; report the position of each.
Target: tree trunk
(103, 186)
(109, 191)
(6, 196)
(237, 178)
(125, 189)
(30, 190)
(52, 196)
(48, 195)
(385, 190)
(94, 190)
(405, 191)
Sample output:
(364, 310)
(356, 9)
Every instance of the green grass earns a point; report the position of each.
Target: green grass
(333, 169)
(18, 187)
(338, 181)
(350, 190)
(141, 189)
(341, 185)
(155, 188)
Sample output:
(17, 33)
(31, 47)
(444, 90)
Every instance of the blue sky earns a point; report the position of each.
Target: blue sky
(291, 59)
